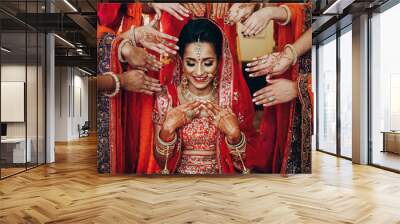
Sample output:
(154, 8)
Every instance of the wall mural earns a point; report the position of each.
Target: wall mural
(204, 88)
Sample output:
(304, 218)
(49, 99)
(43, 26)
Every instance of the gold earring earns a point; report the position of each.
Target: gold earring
(185, 82)
(215, 82)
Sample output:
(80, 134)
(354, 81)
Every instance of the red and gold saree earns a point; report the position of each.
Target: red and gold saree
(126, 108)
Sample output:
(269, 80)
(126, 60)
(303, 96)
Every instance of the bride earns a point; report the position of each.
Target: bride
(203, 118)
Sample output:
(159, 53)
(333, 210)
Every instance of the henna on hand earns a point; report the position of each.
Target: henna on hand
(225, 120)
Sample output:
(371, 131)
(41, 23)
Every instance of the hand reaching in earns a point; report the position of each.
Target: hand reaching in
(175, 9)
(279, 91)
(138, 81)
(155, 40)
(239, 12)
(273, 64)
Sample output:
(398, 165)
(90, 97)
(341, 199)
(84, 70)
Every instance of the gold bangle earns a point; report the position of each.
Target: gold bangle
(239, 146)
(117, 84)
(121, 45)
(240, 149)
(163, 143)
(132, 36)
(162, 151)
(289, 15)
(166, 150)
(294, 52)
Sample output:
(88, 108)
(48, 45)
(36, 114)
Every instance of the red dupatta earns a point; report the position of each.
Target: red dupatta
(276, 125)
(233, 92)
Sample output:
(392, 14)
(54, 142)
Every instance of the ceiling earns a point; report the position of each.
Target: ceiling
(21, 20)
(332, 15)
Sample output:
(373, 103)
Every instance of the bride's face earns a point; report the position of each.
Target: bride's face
(200, 64)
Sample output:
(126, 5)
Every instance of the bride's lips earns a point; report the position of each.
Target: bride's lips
(201, 78)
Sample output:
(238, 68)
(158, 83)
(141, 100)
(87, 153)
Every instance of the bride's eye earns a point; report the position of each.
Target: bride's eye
(209, 63)
(190, 64)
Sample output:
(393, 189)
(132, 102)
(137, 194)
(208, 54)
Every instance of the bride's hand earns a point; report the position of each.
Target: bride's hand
(226, 121)
(180, 115)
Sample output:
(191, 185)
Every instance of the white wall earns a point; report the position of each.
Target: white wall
(61, 103)
(34, 125)
(71, 94)
(16, 73)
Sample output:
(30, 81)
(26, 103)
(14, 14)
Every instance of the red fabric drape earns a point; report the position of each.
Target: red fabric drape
(275, 128)
(125, 107)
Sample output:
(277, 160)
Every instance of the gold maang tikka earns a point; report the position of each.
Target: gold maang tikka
(198, 48)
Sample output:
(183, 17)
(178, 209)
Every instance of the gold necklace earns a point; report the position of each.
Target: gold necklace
(189, 96)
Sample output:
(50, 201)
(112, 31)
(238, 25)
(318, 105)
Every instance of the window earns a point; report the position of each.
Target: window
(327, 96)
(385, 89)
(22, 75)
(346, 92)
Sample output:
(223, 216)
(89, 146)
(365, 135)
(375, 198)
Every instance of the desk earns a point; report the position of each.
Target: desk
(391, 141)
(13, 150)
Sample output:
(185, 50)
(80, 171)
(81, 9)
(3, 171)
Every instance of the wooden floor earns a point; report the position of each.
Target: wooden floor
(387, 159)
(71, 191)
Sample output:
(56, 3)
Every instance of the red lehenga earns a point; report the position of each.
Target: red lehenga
(201, 148)
(286, 129)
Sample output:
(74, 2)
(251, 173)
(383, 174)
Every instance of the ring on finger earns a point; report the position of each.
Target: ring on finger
(189, 114)
(217, 118)
(271, 98)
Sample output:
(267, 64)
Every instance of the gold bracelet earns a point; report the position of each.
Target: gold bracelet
(166, 148)
(289, 15)
(163, 143)
(132, 36)
(117, 84)
(238, 148)
(121, 45)
(162, 151)
(294, 52)
(242, 140)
